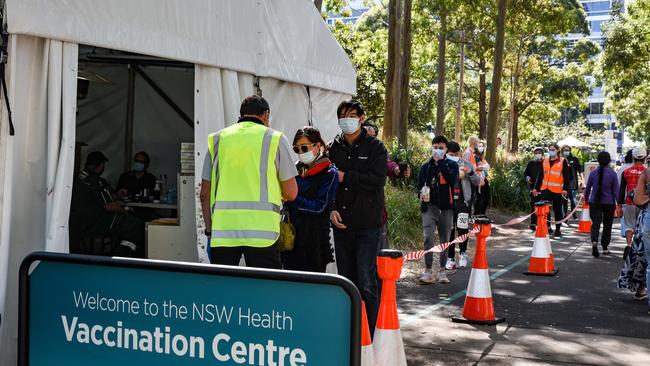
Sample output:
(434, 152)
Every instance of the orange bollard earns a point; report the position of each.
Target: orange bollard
(542, 262)
(479, 308)
(388, 345)
(367, 353)
(584, 226)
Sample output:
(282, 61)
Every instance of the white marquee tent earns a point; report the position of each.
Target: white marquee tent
(280, 48)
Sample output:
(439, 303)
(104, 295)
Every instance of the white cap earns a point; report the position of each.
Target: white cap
(639, 153)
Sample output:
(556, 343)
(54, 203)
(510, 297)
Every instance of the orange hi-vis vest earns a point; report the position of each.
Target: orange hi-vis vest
(553, 178)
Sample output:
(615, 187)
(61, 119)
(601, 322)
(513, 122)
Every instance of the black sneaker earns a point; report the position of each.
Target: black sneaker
(557, 233)
(533, 227)
(594, 251)
(640, 296)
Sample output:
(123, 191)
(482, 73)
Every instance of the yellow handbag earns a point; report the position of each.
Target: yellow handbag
(287, 238)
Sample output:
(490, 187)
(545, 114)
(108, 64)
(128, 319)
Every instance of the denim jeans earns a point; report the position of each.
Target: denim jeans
(356, 260)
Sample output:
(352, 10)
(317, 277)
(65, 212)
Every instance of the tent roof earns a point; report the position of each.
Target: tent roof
(282, 39)
(573, 142)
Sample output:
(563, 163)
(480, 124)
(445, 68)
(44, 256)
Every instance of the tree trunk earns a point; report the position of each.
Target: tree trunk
(482, 100)
(493, 112)
(405, 44)
(515, 130)
(399, 71)
(459, 105)
(390, 72)
(318, 4)
(442, 40)
(512, 125)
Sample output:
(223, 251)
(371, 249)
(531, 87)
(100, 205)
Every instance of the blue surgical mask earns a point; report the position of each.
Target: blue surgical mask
(552, 153)
(438, 152)
(138, 167)
(480, 149)
(455, 159)
(349, 125)
(566, 153)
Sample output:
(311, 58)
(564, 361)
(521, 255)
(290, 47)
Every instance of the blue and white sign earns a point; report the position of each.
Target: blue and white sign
(78, 310)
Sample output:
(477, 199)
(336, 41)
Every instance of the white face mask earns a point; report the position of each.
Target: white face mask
(480, 149)
(455, 159)
(307, 157)
(349, 125)
(437, 152)
(538, 157)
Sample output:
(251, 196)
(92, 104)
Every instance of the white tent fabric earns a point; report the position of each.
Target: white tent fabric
(573, 142)
(284, 43)
(279, 39)
(46, 71)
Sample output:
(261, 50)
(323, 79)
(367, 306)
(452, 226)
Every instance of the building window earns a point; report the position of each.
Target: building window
(597, 7)
(596, 26)
(596, 108)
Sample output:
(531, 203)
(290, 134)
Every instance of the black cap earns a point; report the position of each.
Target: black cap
(95, 158)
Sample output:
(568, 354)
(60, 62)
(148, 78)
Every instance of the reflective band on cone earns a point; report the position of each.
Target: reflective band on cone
(478, 307)
(584, 226)
(367, 353)
(387, 344)
(541, 259)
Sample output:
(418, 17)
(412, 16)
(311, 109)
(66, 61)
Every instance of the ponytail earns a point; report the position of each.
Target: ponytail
(603, 160)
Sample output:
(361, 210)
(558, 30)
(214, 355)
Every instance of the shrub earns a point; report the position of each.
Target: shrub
(404, 222)
(508, 189)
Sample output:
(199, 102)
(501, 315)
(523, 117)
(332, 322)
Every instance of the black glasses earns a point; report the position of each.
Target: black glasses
(301, 149)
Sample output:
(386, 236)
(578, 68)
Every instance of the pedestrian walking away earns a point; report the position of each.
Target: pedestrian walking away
(642, 200)
(628, 182)
(435, 189)
(357, 209)
(601, 193)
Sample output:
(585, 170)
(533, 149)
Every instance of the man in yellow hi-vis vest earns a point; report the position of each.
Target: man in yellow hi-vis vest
(247, 172)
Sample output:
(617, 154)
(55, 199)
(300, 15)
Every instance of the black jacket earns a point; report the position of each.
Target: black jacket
(534, 170)
(360, 197)
(441, 189)
(575, 167)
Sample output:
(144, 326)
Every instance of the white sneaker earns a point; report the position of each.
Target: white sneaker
(427, 277)
(451, 264)
(462, 262)
(442, 276)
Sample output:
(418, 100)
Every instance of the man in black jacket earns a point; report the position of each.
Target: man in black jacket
(435, 189)
(534, 174)
(576, 168)
(357, 210)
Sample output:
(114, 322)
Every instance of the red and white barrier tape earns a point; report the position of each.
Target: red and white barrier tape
(569, 215)
(440, 247)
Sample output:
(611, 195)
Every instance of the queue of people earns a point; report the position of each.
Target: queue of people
(337, 186)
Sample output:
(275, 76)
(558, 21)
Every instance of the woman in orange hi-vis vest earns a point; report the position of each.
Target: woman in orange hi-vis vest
(557, 177)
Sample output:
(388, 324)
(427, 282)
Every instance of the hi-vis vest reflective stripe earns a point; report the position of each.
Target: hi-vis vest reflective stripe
(245, 194)
(553, 178)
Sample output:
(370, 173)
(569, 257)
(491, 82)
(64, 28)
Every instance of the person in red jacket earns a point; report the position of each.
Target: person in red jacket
(629, 180)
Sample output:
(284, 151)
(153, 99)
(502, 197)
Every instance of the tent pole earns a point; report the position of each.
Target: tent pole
(130, 109)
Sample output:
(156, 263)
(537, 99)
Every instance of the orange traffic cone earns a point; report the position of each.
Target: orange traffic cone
(478, 308)
(388, 346)
(542, 262)
(367, 354)
(584, 226)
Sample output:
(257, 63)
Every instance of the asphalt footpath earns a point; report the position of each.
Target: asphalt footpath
(577, 317)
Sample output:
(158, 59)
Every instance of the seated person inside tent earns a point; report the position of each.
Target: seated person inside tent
(95, 212)
(138, 182)
(138, 179)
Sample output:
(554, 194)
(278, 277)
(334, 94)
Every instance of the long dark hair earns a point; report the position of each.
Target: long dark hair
(603, 161)
(312, 134)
